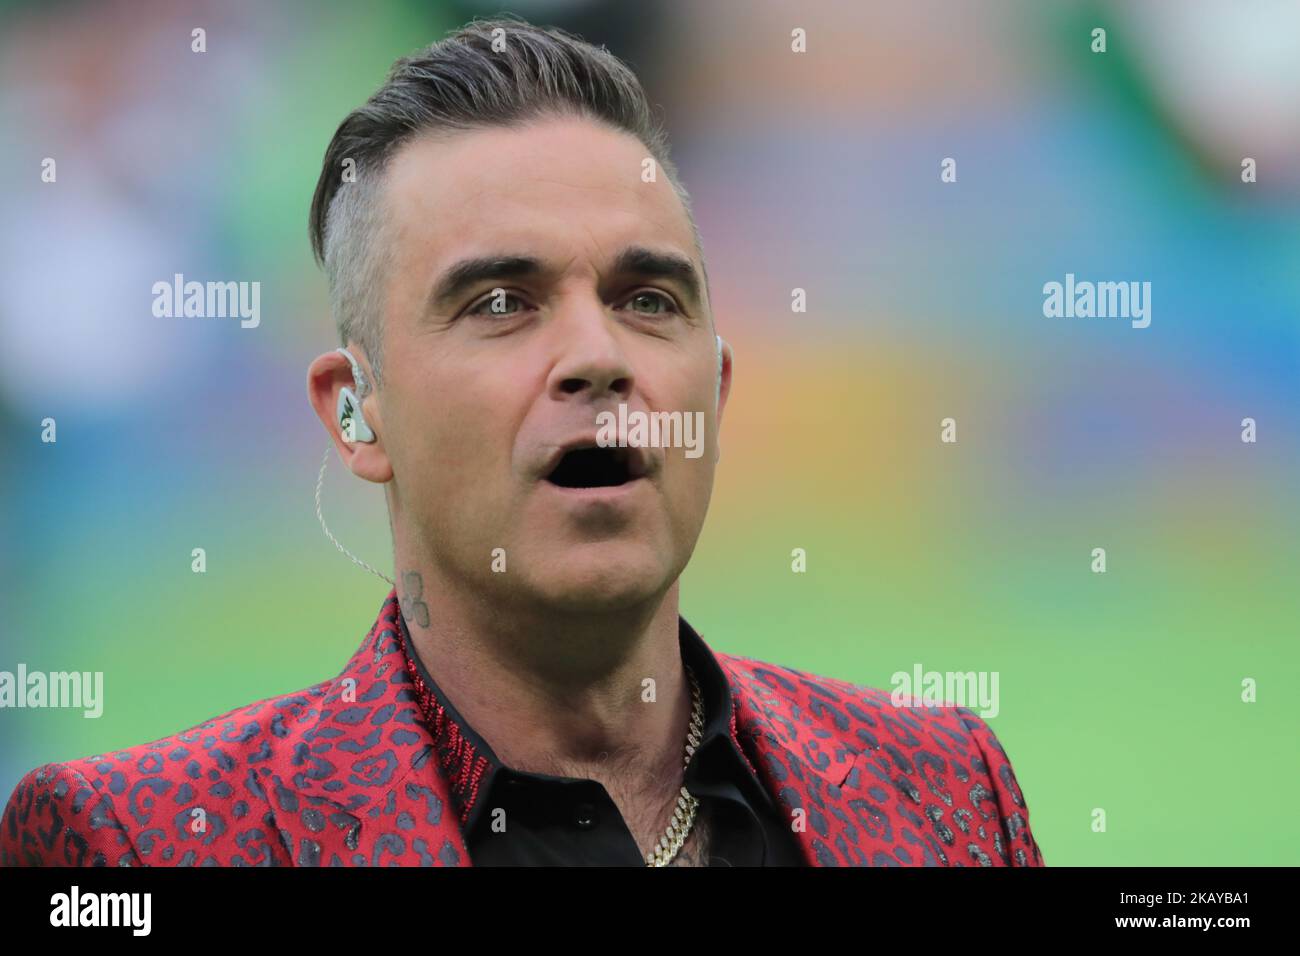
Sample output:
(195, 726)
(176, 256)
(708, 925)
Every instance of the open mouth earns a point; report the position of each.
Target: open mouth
(593, 468)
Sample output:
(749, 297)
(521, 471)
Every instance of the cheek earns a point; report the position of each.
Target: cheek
(453, 450)
(456, 464)
(422, 449)
(689, 482)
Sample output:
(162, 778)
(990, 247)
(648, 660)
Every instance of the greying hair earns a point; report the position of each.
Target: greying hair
(460, 83)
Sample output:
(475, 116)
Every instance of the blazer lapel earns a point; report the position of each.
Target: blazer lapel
(805, 768)
(359, 783)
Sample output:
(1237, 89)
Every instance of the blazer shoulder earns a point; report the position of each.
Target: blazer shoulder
(829, 702)
(1010, 799)
(935, 756)
(54, 817)
(92, 811)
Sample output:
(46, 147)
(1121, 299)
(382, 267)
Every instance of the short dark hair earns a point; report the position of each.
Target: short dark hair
(501, 71)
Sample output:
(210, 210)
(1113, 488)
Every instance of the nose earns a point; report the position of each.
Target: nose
(592, 366)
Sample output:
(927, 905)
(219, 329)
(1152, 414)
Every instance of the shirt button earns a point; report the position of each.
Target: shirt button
(584, 816)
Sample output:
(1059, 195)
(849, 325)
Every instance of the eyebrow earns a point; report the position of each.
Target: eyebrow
(632, 261)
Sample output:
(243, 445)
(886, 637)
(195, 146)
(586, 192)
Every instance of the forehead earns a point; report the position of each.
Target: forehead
(557, 187)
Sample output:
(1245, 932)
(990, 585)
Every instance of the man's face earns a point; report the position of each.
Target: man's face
(484, 390)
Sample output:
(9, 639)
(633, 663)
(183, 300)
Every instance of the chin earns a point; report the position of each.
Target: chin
(601, 578)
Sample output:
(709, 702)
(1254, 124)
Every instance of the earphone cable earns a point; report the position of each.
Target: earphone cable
(320, 480)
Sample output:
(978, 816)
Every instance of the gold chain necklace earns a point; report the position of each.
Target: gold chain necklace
(684, 813)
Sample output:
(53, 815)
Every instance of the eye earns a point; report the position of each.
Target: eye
(498, 299)
(666, 305)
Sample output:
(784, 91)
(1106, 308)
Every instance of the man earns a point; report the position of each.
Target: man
(511, 259)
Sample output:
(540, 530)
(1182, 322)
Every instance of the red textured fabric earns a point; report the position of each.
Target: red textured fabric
(353, 772)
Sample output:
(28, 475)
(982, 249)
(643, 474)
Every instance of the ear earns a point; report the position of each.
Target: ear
(326, 377)
(724, 382)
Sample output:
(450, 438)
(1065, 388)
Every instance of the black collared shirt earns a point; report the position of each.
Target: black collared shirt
(565, 821)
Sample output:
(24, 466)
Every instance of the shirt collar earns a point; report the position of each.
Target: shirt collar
(470, 766)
